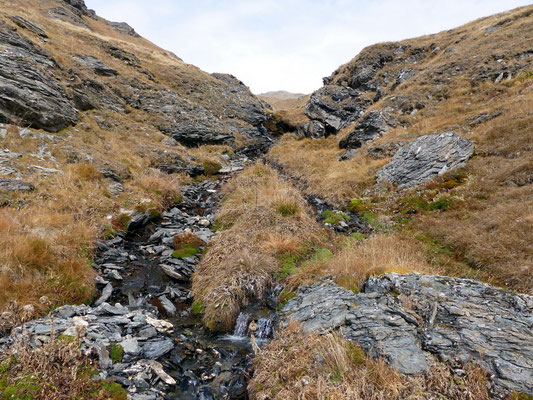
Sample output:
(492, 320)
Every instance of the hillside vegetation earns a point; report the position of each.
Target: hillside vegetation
(476, 80)
(95, 119)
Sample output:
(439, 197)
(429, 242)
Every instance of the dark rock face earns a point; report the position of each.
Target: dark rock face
(425, 158)
(410, 319)
(15, 185)
(123, 28)
(24, 23)
(96, 65)
(372, 126)
(29, 93)
(314, 129)
(335, 107)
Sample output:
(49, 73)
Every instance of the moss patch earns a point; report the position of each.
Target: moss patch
(116, 352)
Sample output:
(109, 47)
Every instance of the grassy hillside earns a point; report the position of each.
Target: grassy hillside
(114, 160)
(476, 80)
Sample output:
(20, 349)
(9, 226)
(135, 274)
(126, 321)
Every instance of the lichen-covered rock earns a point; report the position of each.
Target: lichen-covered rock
(335, 107)
(425, 158)
(372, 126)
(314, 129)
(29, 94)
(410, 320)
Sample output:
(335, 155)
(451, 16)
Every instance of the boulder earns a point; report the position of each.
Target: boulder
(425, 158)
(314, 129)
(335, 107)
(95, 65)
(372, 126)
(410, 320)
(29, 92)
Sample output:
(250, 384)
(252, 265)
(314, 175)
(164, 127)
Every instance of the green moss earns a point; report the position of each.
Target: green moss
(197, 307)
(357, 355)
(66, 338)
(322, 254)
(372, 220)
(186, 252)
(359, 205)
(116, 352)
(333, 218)
(24, 388)
(441, 204)
(283, 299)
(211, 167)
(116, 391)
(221, 224)
(289, 266)
(358, 235)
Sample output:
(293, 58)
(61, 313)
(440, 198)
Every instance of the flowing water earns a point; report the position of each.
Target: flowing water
(204, 364)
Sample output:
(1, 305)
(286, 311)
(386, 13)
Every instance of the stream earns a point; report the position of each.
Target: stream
(143, 274)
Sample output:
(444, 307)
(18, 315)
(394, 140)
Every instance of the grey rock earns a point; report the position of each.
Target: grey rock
(167, 305)
(123, 28)
(314, 129)
(106, 294)
(372, 126)
(95, 65)
(335, 107)
(154, 350)
(131, 347)
(348, 155)
(29, 92)
(24, 23)
(409, 319)
(138, 222)
(15, 185)
(425, 158)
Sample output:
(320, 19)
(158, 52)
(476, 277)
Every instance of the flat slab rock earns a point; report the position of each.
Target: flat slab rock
(411, 320)
(425, 158)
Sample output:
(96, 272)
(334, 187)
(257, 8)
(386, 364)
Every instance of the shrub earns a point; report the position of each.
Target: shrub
(211, 167)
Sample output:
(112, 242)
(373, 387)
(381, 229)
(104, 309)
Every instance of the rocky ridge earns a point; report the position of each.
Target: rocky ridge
(412, 320)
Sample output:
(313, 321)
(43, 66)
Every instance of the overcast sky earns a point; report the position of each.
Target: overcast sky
(286, 44)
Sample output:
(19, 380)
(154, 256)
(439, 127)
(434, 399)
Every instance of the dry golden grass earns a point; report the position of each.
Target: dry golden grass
(299, 366)
(260, 217)
(314, 162)
(355, 260)
(489, 227)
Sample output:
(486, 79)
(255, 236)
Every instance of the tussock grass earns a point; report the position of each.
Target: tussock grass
(299, 366)
(262, 217)
(56, 370)
(355, 260)
(315, 163)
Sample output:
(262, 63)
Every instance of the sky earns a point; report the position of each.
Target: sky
(286, 44)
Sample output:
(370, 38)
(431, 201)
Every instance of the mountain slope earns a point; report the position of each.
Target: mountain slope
(93, 119)
(475, 80)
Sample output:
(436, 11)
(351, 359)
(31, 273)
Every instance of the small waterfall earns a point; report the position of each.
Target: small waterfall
(265, 327)
(241, 326)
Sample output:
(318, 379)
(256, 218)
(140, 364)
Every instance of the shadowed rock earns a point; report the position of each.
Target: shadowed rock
(335, 107)
(410, 319)
(29, 93)
(425, 158)
(123, 28)
(372, 126)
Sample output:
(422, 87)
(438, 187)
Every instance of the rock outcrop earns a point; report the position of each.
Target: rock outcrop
(29, 92)
(372, 126)
(15, 185)
(413, 320)
(332, 108)
(425, 158)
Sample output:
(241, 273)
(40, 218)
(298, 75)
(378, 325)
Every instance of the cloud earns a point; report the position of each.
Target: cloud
(286, 44)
